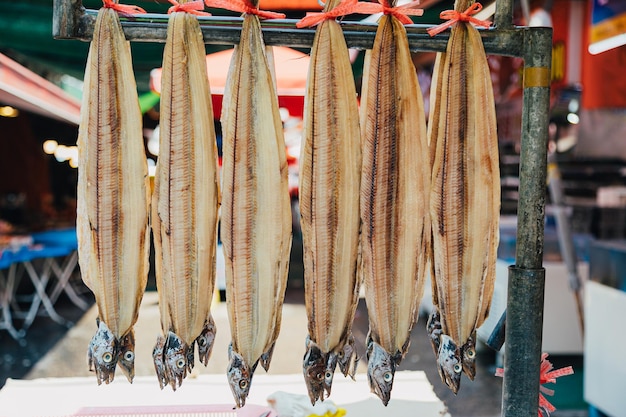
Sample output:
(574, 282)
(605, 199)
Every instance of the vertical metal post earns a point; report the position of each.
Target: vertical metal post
(524, 320)
(503, 18)
(64, 17)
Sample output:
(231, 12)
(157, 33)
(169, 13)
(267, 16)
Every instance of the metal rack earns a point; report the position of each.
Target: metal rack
(524, 316)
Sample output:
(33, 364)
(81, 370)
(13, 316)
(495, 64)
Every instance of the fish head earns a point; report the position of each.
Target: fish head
(348, 358)
(314, 369)
(381, 368)
(329, 371)
(469, 357)
(175, 360)
(449, 362)
(239, 376)
(126, 355)
(434, 329)
(102, 354)
(205, 340)
(158, 357)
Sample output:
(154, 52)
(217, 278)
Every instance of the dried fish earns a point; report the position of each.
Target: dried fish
(113, 197)
(465, 197)
(256, 210)
(330, 171)
(185, 204)
(395, 182)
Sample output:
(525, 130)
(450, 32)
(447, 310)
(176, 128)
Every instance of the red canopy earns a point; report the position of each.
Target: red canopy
(22, 88)
(291, 72)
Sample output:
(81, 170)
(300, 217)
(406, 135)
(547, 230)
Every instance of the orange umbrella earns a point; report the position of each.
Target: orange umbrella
(291, 72)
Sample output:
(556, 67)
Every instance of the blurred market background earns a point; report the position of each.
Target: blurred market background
(42, 296)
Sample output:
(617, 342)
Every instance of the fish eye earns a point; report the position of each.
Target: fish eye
(202, 341)
(129, 356)
(319, 375)
(107, 357)
(471, 353)
(329, 375)
(387, 376)
(458, 368)
(180, 363)
(243, 384)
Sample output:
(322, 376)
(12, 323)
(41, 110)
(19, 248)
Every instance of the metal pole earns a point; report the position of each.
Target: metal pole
(226, 30)
(564, 232)
(524, 319)
(503, 18)
(65, 15)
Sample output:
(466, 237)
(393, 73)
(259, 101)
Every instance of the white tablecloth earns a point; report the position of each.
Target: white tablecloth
(412, 396)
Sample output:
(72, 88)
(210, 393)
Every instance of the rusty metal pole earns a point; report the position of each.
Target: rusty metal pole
(524, 319)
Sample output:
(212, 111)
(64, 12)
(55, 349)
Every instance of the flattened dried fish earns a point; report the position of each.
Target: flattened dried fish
(113, 197)
(330, 171)
(185, 204)
(395, 181)
(465, 199)
(256, 211)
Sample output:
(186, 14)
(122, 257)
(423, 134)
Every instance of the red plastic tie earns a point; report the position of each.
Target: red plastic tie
(401, 13)
(452, 16)
(242, 6)
(123, 9)
(546, 375)
(193, 7)
(344, 8)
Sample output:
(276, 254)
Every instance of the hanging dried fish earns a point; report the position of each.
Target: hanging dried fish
(256, 211)
(113, 197)
(330, 170)
(465, 195)
(185, 202)
(395, 184)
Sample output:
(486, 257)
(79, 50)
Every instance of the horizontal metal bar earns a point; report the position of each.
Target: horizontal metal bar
(226, 31)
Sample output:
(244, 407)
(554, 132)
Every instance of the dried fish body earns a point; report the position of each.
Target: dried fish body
(395, 182)
(465, 200)
(113, 197)
(185, 204)
(256, 212)
(330, 169)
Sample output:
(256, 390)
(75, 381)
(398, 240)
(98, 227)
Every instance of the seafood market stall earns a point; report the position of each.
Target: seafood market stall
(524, 314)
(48, 259)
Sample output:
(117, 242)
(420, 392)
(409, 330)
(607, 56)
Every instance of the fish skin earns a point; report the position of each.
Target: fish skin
(185, 204)
(112, 193)
(465, 198)
(256, 209)
(329, 190)
(396, 235)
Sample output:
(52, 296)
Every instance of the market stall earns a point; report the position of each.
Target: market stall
(526, 278)
(48, 260)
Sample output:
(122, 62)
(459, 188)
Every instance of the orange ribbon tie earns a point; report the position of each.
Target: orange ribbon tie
(344, 8)
(399, 12)
(194, 7)
(123, 9)
(452, 16)
(242, 6)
